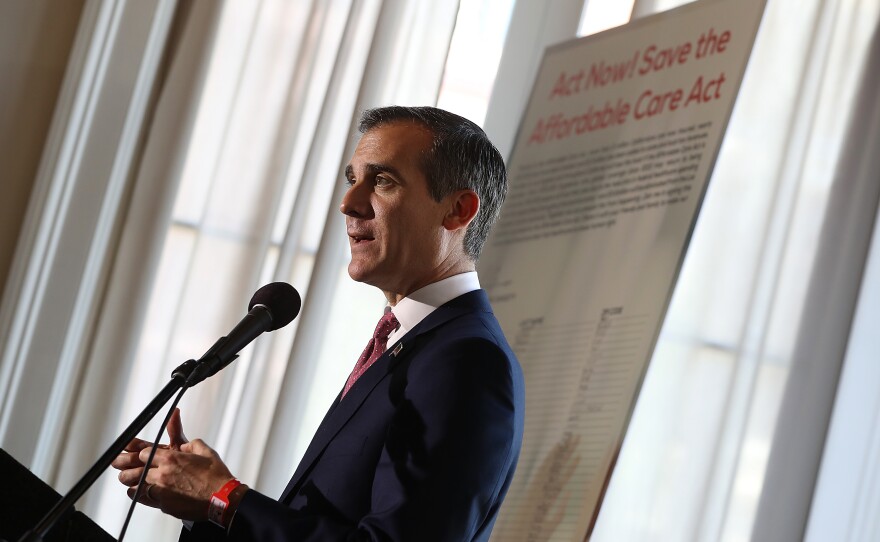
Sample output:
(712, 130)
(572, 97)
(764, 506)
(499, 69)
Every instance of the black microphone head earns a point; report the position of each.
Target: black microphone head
(281, 299)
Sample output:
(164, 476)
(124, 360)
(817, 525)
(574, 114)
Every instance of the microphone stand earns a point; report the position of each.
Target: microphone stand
(178, 380)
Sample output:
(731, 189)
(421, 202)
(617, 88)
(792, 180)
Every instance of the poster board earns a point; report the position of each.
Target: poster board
(608, 171)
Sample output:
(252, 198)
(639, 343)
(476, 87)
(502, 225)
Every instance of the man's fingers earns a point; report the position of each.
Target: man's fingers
(175, 430)
(137, 445)
(130, 477)
(198, 447)
(161, 452)
(127, 460)
(148, 496)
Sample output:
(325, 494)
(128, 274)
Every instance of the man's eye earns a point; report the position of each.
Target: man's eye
(383, 182)
(349, 182)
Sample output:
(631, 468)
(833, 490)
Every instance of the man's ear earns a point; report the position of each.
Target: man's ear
(464, 205)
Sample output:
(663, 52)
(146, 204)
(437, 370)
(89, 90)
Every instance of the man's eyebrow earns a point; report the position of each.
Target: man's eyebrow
(383, 168)
(375, 169)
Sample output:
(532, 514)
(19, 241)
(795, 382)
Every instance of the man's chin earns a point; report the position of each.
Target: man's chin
(360, 273)
(370, 277)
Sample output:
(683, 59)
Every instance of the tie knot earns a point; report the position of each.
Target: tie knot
(386, 325)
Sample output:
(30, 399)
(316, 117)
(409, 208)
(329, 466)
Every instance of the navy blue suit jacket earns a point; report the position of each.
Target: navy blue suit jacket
(423, 447)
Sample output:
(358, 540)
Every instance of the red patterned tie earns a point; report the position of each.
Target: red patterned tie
(374, 349)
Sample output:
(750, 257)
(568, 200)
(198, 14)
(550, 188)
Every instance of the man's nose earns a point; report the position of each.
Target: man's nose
(356, 201)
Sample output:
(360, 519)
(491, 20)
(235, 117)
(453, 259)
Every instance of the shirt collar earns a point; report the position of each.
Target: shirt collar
(413, 308)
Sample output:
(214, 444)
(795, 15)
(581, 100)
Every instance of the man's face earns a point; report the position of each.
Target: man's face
(395, 228)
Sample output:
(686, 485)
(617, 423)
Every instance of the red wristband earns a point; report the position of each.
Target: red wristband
(220, 503)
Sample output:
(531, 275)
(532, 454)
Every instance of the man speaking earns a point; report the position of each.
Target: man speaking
(422, 441)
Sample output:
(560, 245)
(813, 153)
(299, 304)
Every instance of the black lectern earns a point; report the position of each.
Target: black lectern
(24, 501)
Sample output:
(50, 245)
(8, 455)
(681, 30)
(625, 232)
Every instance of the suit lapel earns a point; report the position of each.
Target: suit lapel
(342, 410)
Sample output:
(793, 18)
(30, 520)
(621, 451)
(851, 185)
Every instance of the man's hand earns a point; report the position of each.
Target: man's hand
(182, 477)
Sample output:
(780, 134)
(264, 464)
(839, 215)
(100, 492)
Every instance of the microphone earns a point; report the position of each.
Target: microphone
(272, 307)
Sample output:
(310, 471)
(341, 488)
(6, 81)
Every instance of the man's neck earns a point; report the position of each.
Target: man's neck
(395, 297)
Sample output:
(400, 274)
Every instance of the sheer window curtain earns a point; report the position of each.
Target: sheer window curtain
(834, 346)
(67, 244)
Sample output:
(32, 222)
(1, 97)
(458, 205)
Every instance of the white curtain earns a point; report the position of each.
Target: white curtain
(65, 251)
(829, 337)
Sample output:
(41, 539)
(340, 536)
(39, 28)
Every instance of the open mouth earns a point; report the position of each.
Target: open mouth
(358, 239)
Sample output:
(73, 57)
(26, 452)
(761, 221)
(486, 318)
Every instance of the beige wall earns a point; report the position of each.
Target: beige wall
(35, 41)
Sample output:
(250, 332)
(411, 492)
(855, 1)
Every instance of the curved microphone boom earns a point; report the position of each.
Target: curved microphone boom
(272, 307)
